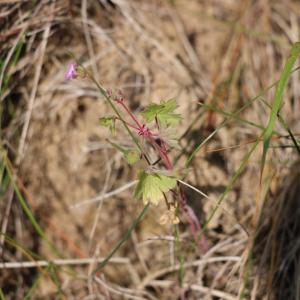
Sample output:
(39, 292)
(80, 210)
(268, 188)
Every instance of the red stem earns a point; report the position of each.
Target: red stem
(131, 114)
(162, 153)
(195, 226)
(128, 124)
(193, 222)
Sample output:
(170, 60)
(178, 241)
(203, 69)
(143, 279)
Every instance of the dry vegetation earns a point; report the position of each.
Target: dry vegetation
(221, 53)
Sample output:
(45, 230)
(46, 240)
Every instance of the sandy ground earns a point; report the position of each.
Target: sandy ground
(221, 53)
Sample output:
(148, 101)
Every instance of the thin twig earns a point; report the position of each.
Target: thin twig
(193, 188)
(107, 195)
(41, 53)
(195, 287)
(60, 262)
(195, 263)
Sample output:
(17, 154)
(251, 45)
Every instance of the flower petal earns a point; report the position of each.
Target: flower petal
(71, 71)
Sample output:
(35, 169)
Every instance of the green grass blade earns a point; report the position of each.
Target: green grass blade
(2, 297)
(277, 102)
(194, 121)
(28, 212)
(287, 128)
(18, 50)
(231, 183)
(124, 239)
(13, 61)
(31, 290)
(4, 178)
(32, 257)
(233, 115)
(246, 276)
(18, 246)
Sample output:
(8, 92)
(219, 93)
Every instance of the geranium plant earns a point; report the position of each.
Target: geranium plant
(152, 131)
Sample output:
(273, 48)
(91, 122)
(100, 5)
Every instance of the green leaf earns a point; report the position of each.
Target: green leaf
(109, 122)
(152, 186)
(163, 112)
(132, 156)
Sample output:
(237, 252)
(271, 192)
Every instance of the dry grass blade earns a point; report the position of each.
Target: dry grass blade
(106, 195)
(40, 53)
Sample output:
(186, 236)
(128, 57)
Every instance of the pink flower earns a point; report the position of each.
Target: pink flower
(71, 71)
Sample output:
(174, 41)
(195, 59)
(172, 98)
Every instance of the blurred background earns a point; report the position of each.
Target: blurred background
(66, 195)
